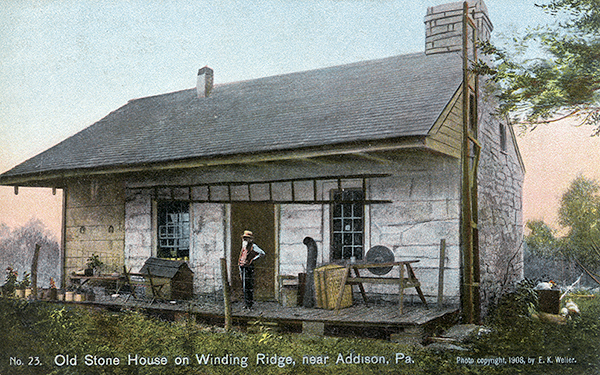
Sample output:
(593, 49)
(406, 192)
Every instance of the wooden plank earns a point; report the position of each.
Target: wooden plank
(401, 291)
(342, 287)
(440, 298)
(226, 294)
(382, 280)
(360, 286)
(413, 278)
(382, 265)
(34, 270)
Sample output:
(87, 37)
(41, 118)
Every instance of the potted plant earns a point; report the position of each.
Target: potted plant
(79, 296)
(93, 265)
(69, 294)
(53, 292)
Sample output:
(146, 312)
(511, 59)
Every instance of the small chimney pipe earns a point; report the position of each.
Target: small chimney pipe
(204, 83)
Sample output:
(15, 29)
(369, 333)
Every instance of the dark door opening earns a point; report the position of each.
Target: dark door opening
(260, 219)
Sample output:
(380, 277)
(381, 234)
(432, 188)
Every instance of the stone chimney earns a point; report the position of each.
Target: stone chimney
(443, 26)
(205, 82)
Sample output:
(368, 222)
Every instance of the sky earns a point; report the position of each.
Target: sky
(66, 64)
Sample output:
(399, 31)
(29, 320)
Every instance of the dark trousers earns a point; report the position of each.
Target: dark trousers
(247, 276)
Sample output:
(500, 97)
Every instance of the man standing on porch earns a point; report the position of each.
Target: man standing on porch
(250, 252)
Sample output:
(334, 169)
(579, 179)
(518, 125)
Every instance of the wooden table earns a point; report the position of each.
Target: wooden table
(404, 281)
(119, 280)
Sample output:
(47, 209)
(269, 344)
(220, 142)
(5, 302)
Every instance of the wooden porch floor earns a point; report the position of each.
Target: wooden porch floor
(380, 314)
(360, 317)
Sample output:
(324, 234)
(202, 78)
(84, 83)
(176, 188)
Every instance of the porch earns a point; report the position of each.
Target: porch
(380, 319)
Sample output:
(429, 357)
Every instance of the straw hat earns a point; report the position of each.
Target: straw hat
(248, 234)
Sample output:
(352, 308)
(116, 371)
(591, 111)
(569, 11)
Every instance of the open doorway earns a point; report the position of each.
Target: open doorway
(260, 219)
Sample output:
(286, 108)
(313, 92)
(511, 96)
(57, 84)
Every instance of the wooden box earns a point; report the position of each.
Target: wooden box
(327, 286)
(171, 279)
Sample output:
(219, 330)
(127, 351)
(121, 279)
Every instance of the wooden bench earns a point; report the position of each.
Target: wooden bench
(407, 279)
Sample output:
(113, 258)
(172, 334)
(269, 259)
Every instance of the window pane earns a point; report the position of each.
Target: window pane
(358, 210)
(337, 225)
(347, 225)
(347, 253)
(337, 210)
(358, 252)
(337, 239)
(358, 238)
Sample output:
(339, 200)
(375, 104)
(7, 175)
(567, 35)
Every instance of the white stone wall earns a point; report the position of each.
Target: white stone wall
(424, 190)
(297, 221)
(138, 228)
(425, 209)
(208, 244)
(500, 205)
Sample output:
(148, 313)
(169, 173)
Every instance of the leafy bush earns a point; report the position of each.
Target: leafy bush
(10, 284)
(515, 305)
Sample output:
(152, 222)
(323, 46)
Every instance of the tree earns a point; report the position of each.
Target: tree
(541, 240)
(580, 213)
(17, 246)
(565, 80)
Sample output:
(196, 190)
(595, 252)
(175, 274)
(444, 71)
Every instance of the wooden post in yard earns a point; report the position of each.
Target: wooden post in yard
(34, 269)
(226, 294)
(440, 298)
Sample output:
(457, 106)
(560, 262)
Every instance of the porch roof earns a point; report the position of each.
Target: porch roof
(395, 98)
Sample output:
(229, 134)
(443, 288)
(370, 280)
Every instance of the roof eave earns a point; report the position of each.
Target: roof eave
(57, 178)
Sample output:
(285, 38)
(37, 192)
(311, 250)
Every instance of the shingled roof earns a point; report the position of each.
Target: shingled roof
(389, 98)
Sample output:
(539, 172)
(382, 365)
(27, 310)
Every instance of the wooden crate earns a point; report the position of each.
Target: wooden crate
(327, 286)
(549, 301)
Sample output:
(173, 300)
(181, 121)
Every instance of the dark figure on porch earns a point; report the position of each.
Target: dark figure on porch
(249, 253)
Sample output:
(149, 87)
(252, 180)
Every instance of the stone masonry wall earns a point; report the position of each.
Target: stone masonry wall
(208, 245)
(500, 204)
(443, 26)
(424, 211)
(138, 228)
(424, 192)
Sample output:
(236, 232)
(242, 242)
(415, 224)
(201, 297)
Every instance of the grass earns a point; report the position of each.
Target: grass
(41, 338)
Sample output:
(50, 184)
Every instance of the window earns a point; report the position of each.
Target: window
(502, 137)
(347, 224)
(173, 230)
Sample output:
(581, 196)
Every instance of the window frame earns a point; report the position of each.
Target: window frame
(178, 231)
(340, 253)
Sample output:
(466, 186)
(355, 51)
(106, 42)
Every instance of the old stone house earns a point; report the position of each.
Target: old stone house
(354, 156)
